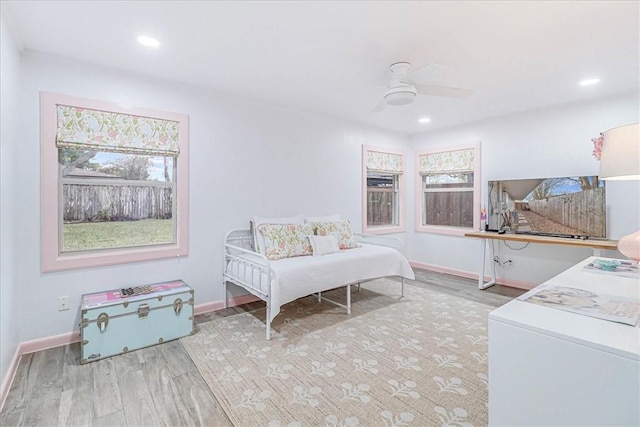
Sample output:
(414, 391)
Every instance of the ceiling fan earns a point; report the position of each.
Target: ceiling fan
(402, 89)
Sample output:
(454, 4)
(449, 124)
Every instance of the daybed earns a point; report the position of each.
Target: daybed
(280, 281)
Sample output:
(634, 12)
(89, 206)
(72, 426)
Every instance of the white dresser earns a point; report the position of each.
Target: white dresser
(549, 367)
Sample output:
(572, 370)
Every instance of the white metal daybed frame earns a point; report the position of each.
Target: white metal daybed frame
(237, 249)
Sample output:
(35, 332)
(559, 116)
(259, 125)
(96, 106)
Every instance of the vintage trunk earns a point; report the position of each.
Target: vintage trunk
(112, 324)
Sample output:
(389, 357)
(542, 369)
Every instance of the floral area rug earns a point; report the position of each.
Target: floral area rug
(420, 360)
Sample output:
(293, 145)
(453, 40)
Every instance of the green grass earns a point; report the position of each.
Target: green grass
(116, 234)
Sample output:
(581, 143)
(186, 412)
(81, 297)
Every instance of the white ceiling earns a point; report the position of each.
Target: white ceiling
(329, 57)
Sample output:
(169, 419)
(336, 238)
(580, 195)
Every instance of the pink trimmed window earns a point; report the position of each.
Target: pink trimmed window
(383, 188)
(448, 190)
(114, 183)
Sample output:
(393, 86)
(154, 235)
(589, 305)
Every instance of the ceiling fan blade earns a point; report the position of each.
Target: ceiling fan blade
(380, 107)
(430, 73)
(449, 92)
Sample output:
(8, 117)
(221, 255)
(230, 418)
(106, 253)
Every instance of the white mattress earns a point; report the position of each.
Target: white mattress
(293, 278)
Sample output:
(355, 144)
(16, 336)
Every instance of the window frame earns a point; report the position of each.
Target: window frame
(419, 193)
(401, 180)
(51, 192)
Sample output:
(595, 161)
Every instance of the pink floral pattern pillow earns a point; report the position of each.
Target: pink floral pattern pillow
(286, 240)
(340, 229)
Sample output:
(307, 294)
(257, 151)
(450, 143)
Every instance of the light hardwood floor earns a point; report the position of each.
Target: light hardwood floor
(155, 386)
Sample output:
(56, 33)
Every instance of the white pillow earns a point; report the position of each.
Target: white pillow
(328, 218)
(340, 229)
(324, 244)
(258, 242)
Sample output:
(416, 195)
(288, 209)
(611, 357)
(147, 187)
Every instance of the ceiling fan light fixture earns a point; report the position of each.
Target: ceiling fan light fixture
(400, 98)
(401, 95)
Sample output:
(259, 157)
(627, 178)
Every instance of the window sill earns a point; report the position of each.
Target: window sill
(81, 260)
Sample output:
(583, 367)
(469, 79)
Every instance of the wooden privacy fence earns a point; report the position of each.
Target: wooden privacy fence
(379, 206)
(116, 202)
(583, 211)
(451, 208)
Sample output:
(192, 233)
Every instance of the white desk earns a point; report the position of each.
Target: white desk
(549, 367)
(488, 236)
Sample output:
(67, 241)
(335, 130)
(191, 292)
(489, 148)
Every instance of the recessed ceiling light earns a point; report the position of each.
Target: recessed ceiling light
(424, 120)
(589, 82)
(148, 41)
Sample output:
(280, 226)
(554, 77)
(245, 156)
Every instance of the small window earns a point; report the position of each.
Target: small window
(383, 207)
(448, 191)
(114, 184)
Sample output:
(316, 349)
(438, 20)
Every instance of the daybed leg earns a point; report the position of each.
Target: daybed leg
(226, 299)
(402, 288)
(349, 299)
(358, 286)
(267, 321)
(319, 296)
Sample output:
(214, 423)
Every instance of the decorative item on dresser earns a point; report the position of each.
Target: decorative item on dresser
(620, 161)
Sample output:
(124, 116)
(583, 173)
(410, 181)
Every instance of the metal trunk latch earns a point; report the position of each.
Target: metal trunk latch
(143, 311)
(102, 321)
(177, 306)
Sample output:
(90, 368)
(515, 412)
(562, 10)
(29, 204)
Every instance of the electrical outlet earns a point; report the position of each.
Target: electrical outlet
(63, 303)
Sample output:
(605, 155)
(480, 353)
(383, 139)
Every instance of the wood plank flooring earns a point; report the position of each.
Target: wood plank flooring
(155, 386)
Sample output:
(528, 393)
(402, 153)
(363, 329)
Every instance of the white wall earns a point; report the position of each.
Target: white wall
(543, 143)
(251, 158)
(9, 285)
(246, 158)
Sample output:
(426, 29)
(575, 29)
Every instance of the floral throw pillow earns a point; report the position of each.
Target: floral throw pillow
(286, 240)
(340, 229)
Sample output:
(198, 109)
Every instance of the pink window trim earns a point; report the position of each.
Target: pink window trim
(52, 259)
(454, 231)
(383, 229)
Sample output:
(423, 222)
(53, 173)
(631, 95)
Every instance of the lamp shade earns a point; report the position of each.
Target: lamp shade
(620, 159)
